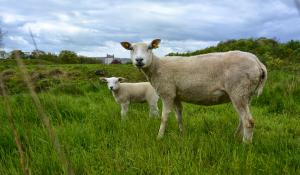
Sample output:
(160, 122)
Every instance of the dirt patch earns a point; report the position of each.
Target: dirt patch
(55, 73)
(8, 73)
(73, 74)
(37, 76)
(100, 72)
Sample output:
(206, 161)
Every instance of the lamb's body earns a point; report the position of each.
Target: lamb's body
(136, 92)
(208, 79)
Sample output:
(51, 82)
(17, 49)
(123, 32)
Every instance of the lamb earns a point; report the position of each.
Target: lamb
(124, 93)
(207, 79)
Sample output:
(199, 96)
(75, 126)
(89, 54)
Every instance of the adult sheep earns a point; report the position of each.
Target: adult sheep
(206, 79)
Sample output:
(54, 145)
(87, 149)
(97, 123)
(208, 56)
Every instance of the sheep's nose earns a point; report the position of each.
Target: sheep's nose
(111, 88)
(139, 60)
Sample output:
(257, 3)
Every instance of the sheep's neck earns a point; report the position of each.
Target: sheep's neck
(116, 92)
(152, 68)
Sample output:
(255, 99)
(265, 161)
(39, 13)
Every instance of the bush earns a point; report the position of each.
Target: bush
(68, 57)
(278, 53)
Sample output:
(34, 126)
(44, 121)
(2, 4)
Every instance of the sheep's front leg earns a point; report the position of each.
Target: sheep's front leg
(124, 109)
(167, 108)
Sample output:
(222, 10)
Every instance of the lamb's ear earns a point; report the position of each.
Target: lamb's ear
(154, 44)
(103, 79)
(121, 79)
(126, 45)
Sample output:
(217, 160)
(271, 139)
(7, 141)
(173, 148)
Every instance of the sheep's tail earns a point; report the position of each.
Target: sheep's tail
(262, 78)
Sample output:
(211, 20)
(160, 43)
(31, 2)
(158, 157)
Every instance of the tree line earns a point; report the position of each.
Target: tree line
(64, 57)
(269, 51)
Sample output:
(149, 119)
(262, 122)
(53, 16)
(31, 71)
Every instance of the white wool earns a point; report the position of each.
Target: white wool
(206, 79)
(125, 93)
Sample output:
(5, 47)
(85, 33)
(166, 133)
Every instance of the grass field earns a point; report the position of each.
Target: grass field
(87, 122)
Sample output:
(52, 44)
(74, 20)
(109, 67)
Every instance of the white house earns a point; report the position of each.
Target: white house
(108, 59)
(3, 54)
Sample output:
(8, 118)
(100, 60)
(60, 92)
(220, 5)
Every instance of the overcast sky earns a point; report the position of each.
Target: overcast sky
(95, 27)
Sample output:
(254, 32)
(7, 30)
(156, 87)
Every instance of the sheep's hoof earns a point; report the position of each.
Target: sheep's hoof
(159, 136)
(247, 141)
(124, 118)
(238, 136)
(154, 115)
(181, 132)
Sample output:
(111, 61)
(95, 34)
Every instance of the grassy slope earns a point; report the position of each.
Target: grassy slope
(87, 120)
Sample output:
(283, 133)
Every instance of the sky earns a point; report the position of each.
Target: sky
(96, 27)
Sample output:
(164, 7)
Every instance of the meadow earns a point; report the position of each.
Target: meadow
(87, 121)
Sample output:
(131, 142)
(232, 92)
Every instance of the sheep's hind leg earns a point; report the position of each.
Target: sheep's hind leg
(178, 109)
(246, 126)
(239, 130)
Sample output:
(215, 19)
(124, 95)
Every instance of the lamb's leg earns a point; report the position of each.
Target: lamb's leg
(154, 111)
(178, 109)
(241, 104)
(167, 108)
(124, 109)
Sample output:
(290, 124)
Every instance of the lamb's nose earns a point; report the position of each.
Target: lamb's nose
(111, 88)
(139, 60)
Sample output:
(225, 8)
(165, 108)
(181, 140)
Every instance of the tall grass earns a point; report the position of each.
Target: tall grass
(96, 141)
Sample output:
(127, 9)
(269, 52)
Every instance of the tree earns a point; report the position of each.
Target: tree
(67, 56)
(37, 53)
(16, 53)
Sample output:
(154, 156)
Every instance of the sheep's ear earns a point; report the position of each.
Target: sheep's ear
(103, 79)
(154, 44)
(126, 45)
(121, 79)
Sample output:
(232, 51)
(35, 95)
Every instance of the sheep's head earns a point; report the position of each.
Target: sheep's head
(113, 83)
(141, 53)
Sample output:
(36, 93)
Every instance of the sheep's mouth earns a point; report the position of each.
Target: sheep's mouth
(139, 65)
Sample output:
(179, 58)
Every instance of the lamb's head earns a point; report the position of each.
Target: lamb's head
(113, 83)
(141, 53)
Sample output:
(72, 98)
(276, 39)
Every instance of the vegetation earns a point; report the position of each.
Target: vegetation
(87, 121)
(269, 51)
(64, 57)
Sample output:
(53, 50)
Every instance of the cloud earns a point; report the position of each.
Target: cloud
(165, 47)
(96, 27)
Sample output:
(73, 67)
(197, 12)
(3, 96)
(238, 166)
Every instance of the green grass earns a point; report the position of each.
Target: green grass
(87, 121)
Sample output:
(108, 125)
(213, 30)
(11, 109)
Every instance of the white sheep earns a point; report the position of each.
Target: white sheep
(124, 93)
(206, 79)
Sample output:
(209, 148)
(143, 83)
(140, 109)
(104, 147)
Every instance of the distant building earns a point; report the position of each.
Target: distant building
(109, 59)
(27, 55)
(3, 54)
